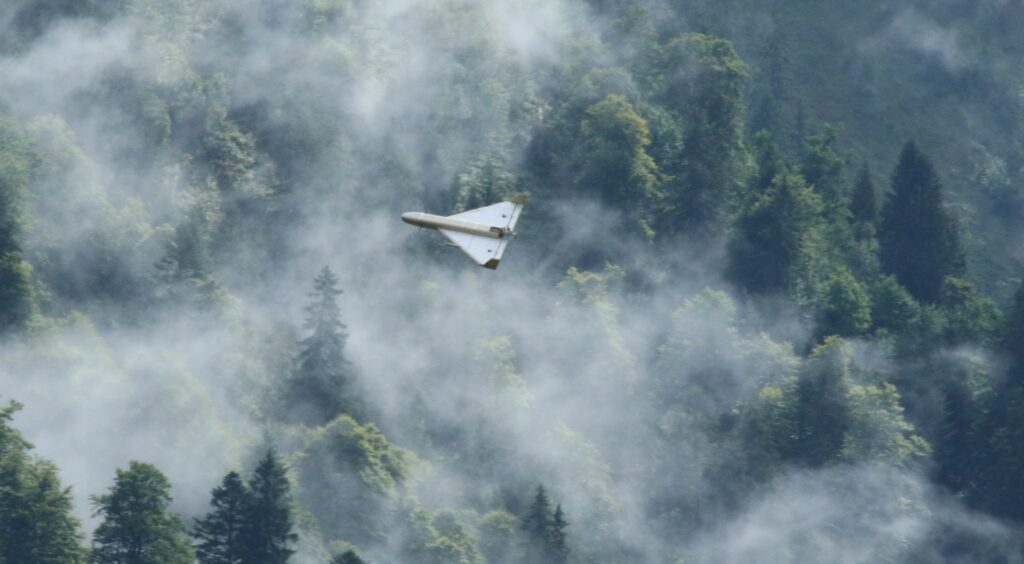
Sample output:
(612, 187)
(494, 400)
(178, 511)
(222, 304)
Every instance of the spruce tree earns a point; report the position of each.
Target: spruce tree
(558, 549)
(320, 388)
(919, 240)
(822, 412)
(136, 527)
(17, 167)
(220, 535)
(537, 524)
(864, 204)
(268, 530)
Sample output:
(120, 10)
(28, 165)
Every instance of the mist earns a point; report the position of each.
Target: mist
(607, 384)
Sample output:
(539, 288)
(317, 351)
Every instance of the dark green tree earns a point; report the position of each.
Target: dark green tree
(558, 549)
(822, 412)
(347, 557)
(864, 204)
(1012, 342)
(846, 310)
(708, 95)
(970, 316)
(920, 241)
(220, 535)
(537, 525)
(136, 527)
(268, 534)
(320, 387)
(18, 163)
(769, 239)
(36, 524)
(616, 166)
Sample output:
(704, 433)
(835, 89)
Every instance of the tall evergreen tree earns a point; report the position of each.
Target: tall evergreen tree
(220, 535)
(136, 527)
(864, 204)
(268, 531)
(537, 524)
(558, 549)
(320, 388)
(920, 243)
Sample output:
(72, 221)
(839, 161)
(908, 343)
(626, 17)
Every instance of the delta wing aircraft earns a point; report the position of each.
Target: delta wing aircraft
(482, 233)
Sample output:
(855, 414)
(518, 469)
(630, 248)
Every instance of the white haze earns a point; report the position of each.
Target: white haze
(177, 393)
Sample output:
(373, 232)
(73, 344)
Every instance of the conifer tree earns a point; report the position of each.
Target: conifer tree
(220, 535)
(919, 240)
(537, 524)
(136, 527)
(268, 531)
(320, 388)
(864, 204)
(559, 550)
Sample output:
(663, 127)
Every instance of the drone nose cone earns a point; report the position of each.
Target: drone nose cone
(409, 217)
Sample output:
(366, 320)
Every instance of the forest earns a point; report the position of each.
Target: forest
(765, 304)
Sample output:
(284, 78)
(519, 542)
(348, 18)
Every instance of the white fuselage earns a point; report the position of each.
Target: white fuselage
(440, 222)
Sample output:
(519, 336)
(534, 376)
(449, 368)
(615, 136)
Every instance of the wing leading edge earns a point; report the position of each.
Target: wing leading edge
(487, 251)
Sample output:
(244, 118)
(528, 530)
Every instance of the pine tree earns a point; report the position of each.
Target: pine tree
(220, 535)
(537, 524)
(919, 240)
(320, 388)
(558, 549)
(268, 530)
(864, 205)
(136, 527)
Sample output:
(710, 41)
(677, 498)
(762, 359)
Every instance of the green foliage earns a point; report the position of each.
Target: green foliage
(864, 203)
(439, 538)
(36, 524)
(16, 295)
(268, 532)
(136, 527)
(616, 166)
(350, 475)
(706, 90)
(971, 317)
(771, 239)
(920, 242)
(822, 409)
(321, 386)
(499, 537)
(893, 309)
(846, 310)
(221, 535)
(347, 557)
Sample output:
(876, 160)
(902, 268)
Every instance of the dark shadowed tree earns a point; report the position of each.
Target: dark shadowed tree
(920, 242)
(220, 535)
(136, 527)
(347, 557)
(268, 532)
(320, 387)
(822, 411)
(769, 239)
(558, 549)
(36, 524)
(864, 204)
(17, 167)
(536, 525)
